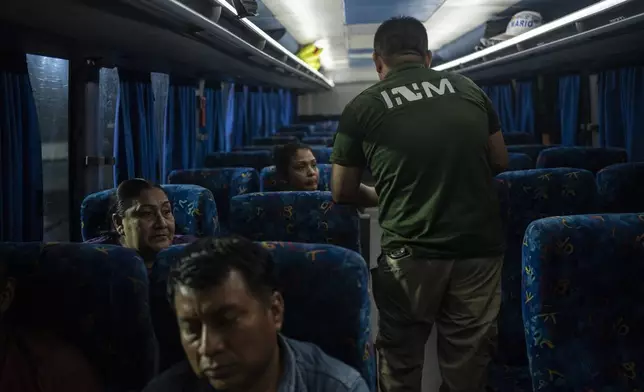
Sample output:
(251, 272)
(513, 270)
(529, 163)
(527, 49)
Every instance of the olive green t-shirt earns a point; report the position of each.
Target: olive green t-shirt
(424, 135)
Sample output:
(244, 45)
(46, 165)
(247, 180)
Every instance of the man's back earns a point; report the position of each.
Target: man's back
(426, 142)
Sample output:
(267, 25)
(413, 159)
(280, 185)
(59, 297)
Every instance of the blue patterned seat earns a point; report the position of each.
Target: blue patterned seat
(94, 297)
(306, 128)
(532, 195)
(309, 217)
(254, 148)
(533, 150)
(589, 158)
(322, 154)
(326, 297)
(317, 140)
(257, 159)
(621, 187)
(268, 178)
(224, 184)
(583, 308)
(290, 133)
(194, 209)
(274, 140)
(513, 138)
(519, 161)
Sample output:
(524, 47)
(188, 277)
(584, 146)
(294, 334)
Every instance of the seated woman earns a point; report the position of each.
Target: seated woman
(142, 219)
(296, 168)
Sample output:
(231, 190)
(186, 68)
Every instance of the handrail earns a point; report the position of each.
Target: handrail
(567, 20)
(270, 40)
(209, 26)
(551, 46)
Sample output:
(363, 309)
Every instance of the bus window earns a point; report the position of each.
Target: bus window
(160, 89)
(108, 90)
(49, 81)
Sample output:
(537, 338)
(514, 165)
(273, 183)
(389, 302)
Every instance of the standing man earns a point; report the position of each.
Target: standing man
(432, 142)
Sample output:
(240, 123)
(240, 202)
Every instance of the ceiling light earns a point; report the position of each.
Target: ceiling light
(566, 20)
(270, 40)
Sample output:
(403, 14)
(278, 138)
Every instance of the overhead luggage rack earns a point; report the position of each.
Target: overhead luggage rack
(605, 33)
(224, 31)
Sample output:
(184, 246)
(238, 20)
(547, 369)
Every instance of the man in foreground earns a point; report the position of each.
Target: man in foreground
(229, 316)
(432, 142)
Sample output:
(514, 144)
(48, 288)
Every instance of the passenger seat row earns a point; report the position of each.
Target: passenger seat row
(99, 298)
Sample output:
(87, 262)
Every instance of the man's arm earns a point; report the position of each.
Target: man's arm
(346, 187)
(349, 161)
(499, 159)
(497, 151)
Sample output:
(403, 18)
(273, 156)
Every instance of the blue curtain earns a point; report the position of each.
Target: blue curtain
(525, 111)
(569, 95)
(135, 141)
(286, 107)
(256, 114)
(215, 121)
(502, 100)
(227, 137)
(271, 107)
(180, 140)
(621, 110)
(241, 128)
(21, 195)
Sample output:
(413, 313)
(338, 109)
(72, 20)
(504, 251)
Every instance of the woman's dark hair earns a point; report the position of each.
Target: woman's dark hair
(207, 262)
(282, 156)
(127, 192)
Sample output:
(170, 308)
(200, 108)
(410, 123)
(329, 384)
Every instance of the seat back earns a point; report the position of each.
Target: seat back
(589, 158)
(513, 138)
(322, 154)
(309, 217)
(520, 161)
(326, 297)
(274, 140)
(621, 188)
(193, 207)
(306, 128)
(582, 302)
(532, 195)
(94, 297)
(533, 150)
(258, 159)
(296, 134)
(224, 183)
(317, 140)
(268, 178)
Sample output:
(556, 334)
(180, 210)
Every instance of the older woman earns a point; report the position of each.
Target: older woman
(142, 220)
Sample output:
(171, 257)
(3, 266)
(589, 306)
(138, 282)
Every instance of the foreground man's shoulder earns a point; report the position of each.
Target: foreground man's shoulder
(178, 378)
(322, 372)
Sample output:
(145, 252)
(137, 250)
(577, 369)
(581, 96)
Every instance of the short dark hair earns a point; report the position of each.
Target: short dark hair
(128, 191)
(283, 154)
(207, 262)
(401, 36)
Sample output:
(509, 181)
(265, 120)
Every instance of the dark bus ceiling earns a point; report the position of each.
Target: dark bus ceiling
(115, 34)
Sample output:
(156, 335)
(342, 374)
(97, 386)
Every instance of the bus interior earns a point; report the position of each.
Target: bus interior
(199, 92)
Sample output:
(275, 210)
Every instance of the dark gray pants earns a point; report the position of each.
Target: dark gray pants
(461, 297)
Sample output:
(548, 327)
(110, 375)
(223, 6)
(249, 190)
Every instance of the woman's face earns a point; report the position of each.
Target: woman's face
(303, 173)
(148, 225)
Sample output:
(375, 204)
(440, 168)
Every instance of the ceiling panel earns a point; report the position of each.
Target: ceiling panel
(347, 27)
(377, 11)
